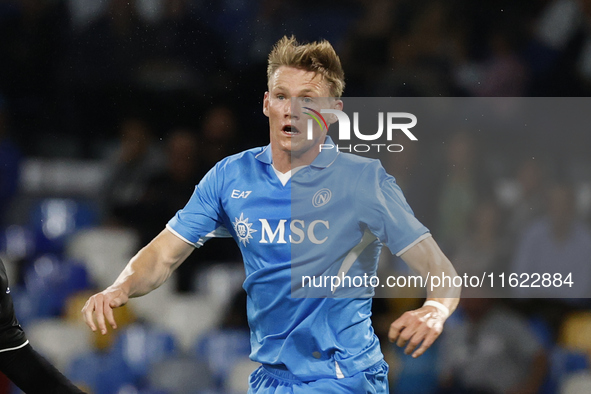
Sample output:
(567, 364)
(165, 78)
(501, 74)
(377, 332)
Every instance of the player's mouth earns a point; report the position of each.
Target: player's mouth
(290, 130)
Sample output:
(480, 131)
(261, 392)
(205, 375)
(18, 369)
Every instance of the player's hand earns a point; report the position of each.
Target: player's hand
(101, 306)
(418, 327)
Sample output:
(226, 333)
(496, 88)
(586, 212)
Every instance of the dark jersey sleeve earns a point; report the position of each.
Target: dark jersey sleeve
(18, 361)
(33, 374)
(11, 334)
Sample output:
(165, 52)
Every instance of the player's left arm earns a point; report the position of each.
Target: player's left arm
(418, 329)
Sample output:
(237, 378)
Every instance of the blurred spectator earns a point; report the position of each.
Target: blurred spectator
(462, 184)
(368, 39)
(131, 167)
(265, 26)
(491, 350)
(227, 344)
(182, 53)
(560, 51)
(218, 135)
(411, 167)
(31, 48)
(108, 52)
(32, 34)
(501, 74)
(530, 203)
(10, 159)
(480, 251)
(420, 58)
(169, 191)
(558, 243)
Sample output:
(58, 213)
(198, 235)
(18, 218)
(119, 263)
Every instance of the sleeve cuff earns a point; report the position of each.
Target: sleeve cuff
(416, 241)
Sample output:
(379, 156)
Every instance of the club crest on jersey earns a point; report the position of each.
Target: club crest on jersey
(321, 197)
(243, 229)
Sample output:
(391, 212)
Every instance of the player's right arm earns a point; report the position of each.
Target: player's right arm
(146, 271)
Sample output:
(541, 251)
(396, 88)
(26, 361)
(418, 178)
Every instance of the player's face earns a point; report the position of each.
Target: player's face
(287, 119)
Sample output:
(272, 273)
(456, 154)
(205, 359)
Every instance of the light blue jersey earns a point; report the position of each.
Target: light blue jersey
(331, 217)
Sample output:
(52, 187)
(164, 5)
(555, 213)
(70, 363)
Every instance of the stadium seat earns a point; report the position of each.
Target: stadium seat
(416, 375)
(576, 383)
(187, 316)
(25, 306)
(542, 330)
(238, 379)
(222, 349)
(58, 340)
(575, 332)
(53, 220)
(180, 375)
(17, 242)
(562, 363)
(220, 281)
(102, 373)
(49, 281)
(140, 346)
(105, 252)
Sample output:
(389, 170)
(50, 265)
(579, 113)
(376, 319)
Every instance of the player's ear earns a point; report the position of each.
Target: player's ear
(332, 118)
(266, 104)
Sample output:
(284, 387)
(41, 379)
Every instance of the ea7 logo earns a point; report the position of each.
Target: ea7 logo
(345, 125)
(240, 194)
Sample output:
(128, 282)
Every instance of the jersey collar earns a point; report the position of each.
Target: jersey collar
(325, 158)
(265, 155)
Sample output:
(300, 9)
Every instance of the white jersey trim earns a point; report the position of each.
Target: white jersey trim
(340, 374)
(416, 241)
(181, 237)
(261, 152)
(15, 348)
(285, 177)
(220, 232)
(354, 253)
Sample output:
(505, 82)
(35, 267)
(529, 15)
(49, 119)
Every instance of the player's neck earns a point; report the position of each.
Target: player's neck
(286, 161)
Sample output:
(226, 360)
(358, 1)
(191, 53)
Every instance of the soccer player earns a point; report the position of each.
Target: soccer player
(18, 361)
(286, 205)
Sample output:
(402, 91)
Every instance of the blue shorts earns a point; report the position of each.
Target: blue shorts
(268, 380)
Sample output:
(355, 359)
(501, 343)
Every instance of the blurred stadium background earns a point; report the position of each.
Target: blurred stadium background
(112, 110)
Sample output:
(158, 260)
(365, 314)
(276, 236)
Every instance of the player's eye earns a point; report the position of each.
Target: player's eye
(281, 97)
(308, 100)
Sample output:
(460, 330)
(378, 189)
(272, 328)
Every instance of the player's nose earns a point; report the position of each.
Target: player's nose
(292, 109)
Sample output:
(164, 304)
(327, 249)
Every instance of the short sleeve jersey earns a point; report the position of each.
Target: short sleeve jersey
(12, 336)
(332, 217)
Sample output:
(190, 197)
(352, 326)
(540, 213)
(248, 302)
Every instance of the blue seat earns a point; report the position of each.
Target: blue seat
(43, 286)
(52, 220)
(417, 375)
(17, 242)
(49, 282)
(181, 375)
(542, 330)
(25, 306)
(102, 373)
(221, 349)
(561, 363)
(139, 346)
